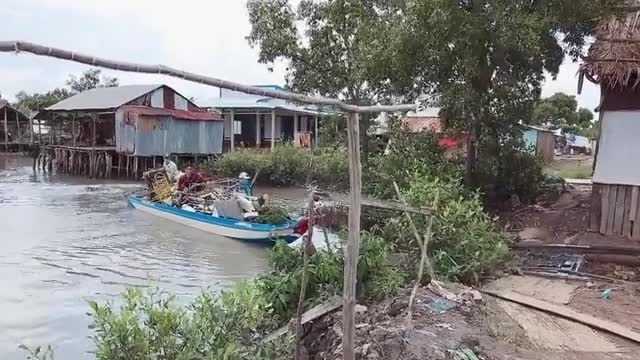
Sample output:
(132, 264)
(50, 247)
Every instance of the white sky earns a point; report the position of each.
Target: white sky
(202, 36)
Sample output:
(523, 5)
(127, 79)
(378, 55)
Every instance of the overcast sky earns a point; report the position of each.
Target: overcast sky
(202, 36)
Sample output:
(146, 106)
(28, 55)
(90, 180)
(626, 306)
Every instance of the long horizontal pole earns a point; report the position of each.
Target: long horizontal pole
(42, 50)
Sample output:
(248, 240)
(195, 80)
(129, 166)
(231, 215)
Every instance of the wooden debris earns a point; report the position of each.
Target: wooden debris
(567, 313)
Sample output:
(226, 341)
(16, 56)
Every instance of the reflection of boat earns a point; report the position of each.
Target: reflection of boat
(237, 229)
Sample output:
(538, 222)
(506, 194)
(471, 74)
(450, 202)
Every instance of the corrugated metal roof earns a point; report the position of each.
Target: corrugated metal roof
(103, 98)
(257, 104)
(420, 123)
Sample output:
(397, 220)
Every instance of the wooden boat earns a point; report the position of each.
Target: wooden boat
(235, 229)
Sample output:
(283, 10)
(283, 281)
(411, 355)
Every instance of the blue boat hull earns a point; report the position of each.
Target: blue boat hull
(242, 230)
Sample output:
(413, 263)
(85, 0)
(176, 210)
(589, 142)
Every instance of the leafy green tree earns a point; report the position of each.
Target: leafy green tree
(560, 111)
(90, 79)
(484, 60)
(38, 101)
(334, 50)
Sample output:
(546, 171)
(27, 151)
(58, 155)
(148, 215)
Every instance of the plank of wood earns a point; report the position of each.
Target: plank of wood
(635, 232)
(312, 314)
(613, 195)
(594, 249)
(596, 208)
(634, 203)
(567, 313)
(619, 215)
(604, 212)
(626, 223)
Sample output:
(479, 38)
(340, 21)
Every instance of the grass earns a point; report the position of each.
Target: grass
(570, 170)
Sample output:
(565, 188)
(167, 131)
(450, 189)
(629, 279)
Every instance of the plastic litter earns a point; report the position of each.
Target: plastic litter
(440, 305)
(606, 294)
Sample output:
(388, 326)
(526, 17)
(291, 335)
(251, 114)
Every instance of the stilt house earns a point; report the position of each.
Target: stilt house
(126, 130)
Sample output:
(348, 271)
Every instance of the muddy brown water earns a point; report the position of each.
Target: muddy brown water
(67, 239)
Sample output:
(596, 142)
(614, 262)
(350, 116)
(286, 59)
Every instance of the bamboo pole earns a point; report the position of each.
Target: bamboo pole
(40, 131)
(295, 129)
(353, 245)
(42, 50)
(315, 131)
(306, 253)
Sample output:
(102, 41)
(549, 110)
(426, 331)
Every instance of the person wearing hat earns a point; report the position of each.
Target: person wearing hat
(170, 168)
(245, 183)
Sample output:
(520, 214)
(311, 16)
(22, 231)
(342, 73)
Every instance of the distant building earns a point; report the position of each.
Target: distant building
(15, 129)
(131, 127)
(540, 141)
(259, 121)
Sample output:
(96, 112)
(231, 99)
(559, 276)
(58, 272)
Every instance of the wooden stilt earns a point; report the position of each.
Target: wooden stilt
(6, 131)
(128, 173)
(154, 162)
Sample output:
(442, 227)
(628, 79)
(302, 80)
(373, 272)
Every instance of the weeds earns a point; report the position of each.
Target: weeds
(286, 165)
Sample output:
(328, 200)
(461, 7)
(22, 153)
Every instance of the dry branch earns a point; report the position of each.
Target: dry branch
(42, 50)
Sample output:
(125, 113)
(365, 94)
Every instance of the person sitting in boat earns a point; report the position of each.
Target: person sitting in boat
(171, 169)
(245, 184)
(191, 180)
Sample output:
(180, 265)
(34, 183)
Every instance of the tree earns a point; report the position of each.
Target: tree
(336, 53)
(484, 60)
(90, 79)
(36, 102)
(560, 111)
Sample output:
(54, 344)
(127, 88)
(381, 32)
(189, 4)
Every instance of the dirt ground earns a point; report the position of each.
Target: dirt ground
(456, 326)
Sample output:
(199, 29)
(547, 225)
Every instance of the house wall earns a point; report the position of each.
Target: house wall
(618, 149)
(614, 210)
(530, 137)
(147, 135)
(545, 146)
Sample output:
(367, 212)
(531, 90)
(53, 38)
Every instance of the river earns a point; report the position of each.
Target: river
(67, 239)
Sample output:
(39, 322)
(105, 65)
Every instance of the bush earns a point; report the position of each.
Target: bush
(505, 170)
(465, 243)
(286, 165)
(407, 153)
(281, 286)
(213, 327)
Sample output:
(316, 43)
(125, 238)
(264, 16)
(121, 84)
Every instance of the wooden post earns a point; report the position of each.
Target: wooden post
(315, 131)
(273, 129)
(73, 129)
(353, 245)
(17, 128)
(6, 130)
(93, 144)
(31, 129)
(307, 251)
(295, 129)
(258, 141)
(40, 131)
(232, 136)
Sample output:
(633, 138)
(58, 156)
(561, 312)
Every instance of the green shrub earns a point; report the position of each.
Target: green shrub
(407, 153)
(281, 286)
(152, 326)
(505, 170)
(286, 165)
(466, 243)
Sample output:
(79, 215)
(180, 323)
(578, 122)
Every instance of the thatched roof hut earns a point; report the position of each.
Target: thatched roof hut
(613, 62)
(613, 59)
